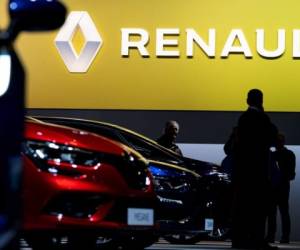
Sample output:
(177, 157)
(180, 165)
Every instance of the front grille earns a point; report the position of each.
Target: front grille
(80, 205)
(180, 196)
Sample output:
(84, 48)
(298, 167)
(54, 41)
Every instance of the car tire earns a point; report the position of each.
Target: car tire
(43, 242)
(219, 233)
(91, 243)
(139, 242)
(185, 238)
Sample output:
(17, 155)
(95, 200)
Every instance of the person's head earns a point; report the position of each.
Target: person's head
(280, 142)
(172, 129)
(255, 98)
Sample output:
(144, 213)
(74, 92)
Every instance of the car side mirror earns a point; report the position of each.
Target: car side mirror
(35, 15)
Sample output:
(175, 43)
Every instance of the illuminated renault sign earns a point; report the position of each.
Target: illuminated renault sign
(167, 55)
(164, 47)
(74, 62)
(192, 37)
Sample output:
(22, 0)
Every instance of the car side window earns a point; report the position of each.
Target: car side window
(138, 144)
(146, 148)
(106, 132)
(99, 130)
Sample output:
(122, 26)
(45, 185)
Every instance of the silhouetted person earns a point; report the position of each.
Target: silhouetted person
(286, 162)
(230, 148)
(255, 134)
(275, 177)
(168, 139)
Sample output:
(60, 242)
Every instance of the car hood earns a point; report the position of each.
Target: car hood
(201, 167)
(41, 131)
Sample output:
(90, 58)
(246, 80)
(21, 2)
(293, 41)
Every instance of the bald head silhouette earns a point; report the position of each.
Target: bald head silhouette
(255, 98)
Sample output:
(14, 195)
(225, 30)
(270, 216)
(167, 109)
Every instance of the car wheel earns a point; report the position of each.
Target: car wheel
(219, 233)
(139, 243)
(43, 242)
(184, 238)
(92, 242)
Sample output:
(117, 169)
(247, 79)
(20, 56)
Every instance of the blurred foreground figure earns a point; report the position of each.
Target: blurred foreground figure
(168, 139)
(11, 131)
(25, 15)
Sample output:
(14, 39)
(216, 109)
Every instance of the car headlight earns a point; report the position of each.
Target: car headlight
(60, 159)
(165, 172)
(169, 180)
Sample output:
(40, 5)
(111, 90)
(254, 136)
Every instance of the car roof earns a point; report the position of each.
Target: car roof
(49, 118)
(111, 125)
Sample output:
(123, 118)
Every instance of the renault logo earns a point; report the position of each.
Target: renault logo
(78, 63)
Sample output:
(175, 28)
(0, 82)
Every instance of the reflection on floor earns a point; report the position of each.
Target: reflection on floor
(207, 245)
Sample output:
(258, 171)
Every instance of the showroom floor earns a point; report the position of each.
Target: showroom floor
(162, 245)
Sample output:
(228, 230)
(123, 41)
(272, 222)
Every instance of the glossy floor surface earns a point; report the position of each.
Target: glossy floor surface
(163, 245)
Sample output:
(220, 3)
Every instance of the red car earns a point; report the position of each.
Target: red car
(85, 188)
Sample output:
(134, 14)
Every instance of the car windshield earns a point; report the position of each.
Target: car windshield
(149, 150)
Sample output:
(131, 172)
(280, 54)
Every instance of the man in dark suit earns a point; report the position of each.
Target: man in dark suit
(255, 135)
(168, 139)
